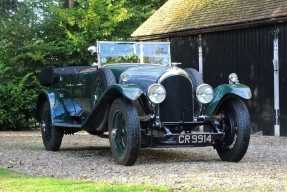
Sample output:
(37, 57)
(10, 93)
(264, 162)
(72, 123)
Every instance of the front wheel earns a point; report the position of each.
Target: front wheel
(124, 132)
(237, 126)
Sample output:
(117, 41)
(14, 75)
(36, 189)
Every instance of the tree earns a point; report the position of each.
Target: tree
(39, 33)
(139, 11)
(7, 7)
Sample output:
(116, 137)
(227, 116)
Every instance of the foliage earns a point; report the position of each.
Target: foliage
(40, 33)
(123, 59)
(17, 101)
(139, 11)
(11, 181)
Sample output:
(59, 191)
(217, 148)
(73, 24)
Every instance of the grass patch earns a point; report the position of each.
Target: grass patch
(15, 182)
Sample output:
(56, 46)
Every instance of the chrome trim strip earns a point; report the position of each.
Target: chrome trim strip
(174, 71)
(133, 42)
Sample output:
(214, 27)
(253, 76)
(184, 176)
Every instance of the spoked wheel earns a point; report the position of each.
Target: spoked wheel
(124, 132)
(236, 125)
(51, 136)
(102, 81)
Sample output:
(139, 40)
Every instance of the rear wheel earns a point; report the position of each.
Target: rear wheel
(51, 135)
(124, 132)
(236, 125)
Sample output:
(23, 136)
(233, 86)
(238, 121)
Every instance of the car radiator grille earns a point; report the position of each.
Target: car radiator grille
(178, 105)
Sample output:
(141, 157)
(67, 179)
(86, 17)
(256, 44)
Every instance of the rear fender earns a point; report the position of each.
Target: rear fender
(226, 91)
(98, 118)
(61, 108)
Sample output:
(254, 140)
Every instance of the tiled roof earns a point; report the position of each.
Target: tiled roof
(180, 15)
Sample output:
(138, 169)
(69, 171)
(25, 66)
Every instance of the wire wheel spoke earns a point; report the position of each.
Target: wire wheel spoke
(46, 127)
(230, 130)
(120, 133)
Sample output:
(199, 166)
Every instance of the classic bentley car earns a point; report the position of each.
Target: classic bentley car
(135, 96)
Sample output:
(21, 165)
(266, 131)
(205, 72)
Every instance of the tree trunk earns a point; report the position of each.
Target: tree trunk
(69, 3)
(7, 5)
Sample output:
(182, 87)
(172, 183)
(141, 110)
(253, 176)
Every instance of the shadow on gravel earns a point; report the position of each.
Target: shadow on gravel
(89, 148)
(146, 156)
(153, 156)
(93, 151)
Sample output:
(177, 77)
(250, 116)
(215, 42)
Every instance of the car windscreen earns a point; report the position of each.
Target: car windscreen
(144, 53)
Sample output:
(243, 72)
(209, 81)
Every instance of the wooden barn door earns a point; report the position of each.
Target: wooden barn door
(185, 50)
(249, 53)
(283, 78)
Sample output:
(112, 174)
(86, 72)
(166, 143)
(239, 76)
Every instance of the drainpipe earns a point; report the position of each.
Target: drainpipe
(276, 83)
(200, 55)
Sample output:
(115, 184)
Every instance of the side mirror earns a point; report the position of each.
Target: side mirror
(93, 50)
(95, 64)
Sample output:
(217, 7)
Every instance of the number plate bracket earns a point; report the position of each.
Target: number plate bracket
(188, 140)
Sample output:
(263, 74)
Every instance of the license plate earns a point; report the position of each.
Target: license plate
(195, 139)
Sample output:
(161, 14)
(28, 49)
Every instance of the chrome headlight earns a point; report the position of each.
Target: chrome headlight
(204, 93)
(156, 93)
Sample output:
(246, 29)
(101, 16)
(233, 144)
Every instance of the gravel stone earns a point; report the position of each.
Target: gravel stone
(87, 157)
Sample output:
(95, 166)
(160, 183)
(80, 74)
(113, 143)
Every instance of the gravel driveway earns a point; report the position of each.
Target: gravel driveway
(89, 157)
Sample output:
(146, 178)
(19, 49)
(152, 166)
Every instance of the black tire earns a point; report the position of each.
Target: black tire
(52, 136)
(195, 76)
(124, 132)
(104, 78)
(237, 127)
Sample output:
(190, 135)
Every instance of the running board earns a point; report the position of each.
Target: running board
(68, 125)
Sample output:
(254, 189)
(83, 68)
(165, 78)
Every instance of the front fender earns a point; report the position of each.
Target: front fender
(129, 91)
(96, 122)
(223, 91)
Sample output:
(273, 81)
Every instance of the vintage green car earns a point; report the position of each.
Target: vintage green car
(137, 98)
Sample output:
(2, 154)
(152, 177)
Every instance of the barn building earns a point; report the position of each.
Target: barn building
(219, 37)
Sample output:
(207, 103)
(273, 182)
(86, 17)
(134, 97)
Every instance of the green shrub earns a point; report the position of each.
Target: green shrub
(17, 101)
